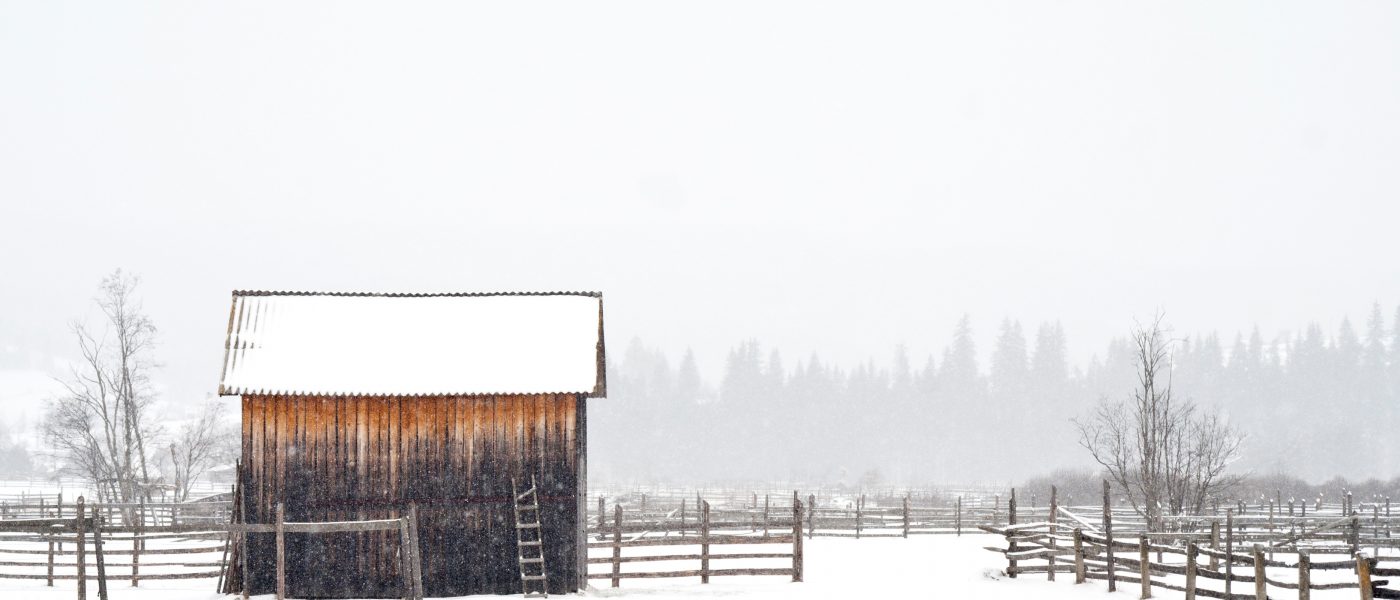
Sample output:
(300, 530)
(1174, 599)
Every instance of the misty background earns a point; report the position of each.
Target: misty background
(824, 180)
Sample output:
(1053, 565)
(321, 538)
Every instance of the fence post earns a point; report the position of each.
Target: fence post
(617, 545)
(97, 549)
(1355, 535)
(602, 515)
(1054, 531)
(860, 509)
(753, 525)
(1304, 575)
(1144, 566)
(959, 516)
(136, 552)
(1078, 555)
(1261, 582)
(50, 536)
(906, 515)
(1011, 535)
(682, 517)
(82, 553)
(811, 515)
(60, 515)
(1214, 544)
(1229, 549)
(1363, 575)
(1108, 540)
(796, 538)
(1191, 552)
(705, 543)
(765, 512)
(281, 529)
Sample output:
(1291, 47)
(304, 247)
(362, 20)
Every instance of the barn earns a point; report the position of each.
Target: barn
(355, 405)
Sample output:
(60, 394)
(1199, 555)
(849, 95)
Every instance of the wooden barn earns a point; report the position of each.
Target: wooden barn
(356, 405)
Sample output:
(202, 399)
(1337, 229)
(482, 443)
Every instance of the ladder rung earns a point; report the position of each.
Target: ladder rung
(521, 507)
(524, 494)
(527, 525)
(535, 559)
(529, 542)
(533, 578)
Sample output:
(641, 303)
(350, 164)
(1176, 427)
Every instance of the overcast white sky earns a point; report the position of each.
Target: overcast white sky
(831, 178)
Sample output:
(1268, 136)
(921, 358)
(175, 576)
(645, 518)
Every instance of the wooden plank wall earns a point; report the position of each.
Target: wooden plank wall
(359, 458)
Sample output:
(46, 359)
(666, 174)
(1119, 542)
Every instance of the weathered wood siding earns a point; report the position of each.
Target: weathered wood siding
(346, 458)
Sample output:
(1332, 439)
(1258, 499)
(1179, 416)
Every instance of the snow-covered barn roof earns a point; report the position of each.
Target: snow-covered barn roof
(315, 343)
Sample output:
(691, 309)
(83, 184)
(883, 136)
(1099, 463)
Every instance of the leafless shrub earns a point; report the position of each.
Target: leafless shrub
(1169, 456)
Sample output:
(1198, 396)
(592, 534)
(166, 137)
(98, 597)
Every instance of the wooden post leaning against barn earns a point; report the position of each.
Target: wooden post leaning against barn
(1144, 566)
(97, 550)
(1078, 555)
(82, 552)
(705, 542)
(1363, 575)
(1011, 535)
(1261, 582)
(405, 571)
(415, 552)
(1108, 540)
(1304, 575)
(1054, 531)
(281, 530)
(796, 539)
(1191, 553)
(617, 545)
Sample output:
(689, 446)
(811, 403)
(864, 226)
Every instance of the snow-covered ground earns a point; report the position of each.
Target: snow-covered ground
(919, 567)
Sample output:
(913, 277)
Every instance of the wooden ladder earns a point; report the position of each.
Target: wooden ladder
(529, 538)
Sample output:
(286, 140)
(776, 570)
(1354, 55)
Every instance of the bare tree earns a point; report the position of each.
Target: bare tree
(1169, 456)
(201, 444)
(100, 427)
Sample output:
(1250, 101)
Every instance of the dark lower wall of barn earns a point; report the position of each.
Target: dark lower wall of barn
(360, 458)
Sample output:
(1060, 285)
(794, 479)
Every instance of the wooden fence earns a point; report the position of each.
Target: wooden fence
(152, 514)
(410, 562)
(1095, 556)
(855, 518)
(703, 537)
(35, 549)
(1254, 544)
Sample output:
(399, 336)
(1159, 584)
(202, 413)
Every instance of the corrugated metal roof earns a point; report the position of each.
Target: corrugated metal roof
(396, 344)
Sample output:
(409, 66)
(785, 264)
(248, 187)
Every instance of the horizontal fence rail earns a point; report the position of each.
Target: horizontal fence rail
(700, 562)
(1238, 558)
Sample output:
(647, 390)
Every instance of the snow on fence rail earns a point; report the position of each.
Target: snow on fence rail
(856, 519)
(705, 540)
(1090, 552)
(35, 549)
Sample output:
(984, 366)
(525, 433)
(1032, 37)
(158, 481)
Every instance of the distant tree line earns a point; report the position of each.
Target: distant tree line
(1312, 404)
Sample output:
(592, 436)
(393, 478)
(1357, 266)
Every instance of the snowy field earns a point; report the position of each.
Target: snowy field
(919, 567)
